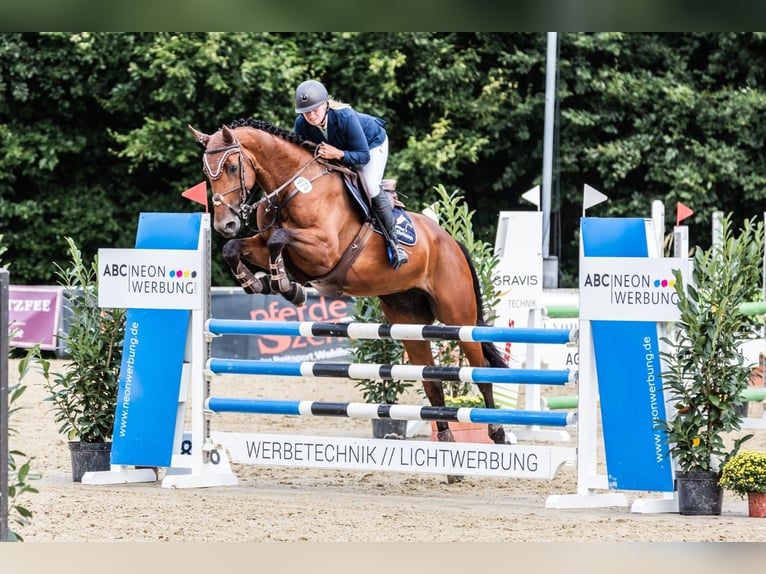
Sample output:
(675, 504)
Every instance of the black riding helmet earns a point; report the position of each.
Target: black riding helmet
(309, 95)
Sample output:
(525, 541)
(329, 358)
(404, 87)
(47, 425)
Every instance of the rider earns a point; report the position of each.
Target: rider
(354, 138)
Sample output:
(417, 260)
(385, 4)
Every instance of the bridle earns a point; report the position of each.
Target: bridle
(245, 206)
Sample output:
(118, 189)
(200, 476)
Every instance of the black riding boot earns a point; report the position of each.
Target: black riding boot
(385, 214)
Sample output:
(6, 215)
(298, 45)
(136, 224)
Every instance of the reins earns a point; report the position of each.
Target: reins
(246, 208)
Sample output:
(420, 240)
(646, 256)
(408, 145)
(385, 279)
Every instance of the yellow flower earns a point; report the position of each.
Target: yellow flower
(745, 472)
(696, 441)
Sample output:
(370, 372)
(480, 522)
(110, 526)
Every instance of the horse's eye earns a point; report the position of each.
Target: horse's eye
(231, 169)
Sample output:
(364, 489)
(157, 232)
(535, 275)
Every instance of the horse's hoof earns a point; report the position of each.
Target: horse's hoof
(452, 479)
(497, 434)
(445, 436)
(300, 296)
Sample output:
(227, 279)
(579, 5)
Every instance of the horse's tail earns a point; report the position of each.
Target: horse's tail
(491, 353)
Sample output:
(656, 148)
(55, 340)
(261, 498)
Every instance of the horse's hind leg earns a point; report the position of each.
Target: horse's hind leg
(479, 355)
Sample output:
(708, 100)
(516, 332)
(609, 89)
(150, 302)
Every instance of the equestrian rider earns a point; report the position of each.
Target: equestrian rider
(357, 140)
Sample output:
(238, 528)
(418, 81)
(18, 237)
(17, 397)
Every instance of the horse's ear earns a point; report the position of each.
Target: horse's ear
(228, 136)
(199, 136)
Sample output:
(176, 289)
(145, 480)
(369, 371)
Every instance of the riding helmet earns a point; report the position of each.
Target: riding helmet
(309, 96)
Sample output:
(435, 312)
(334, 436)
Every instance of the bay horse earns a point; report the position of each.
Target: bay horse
(310, 232)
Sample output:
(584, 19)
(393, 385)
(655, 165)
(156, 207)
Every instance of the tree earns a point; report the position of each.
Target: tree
(93, 125)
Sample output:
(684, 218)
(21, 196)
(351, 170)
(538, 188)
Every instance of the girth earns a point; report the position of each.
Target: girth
(332, 283)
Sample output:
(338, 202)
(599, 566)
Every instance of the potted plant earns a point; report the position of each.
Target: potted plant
(745, 475)
(384, 352)
(705, 371)
(84, 393)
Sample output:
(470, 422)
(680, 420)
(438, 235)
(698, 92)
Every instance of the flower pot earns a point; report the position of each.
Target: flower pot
(465, 432)
(756, 504)
(389, 428)
(89, 456)
(699, 493)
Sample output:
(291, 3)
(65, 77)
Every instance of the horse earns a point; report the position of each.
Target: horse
(309, 231)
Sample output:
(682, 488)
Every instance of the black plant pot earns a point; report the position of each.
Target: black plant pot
(89, 456)
(389, 428)
(699, 493)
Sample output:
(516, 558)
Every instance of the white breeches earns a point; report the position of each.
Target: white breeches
(374, 169)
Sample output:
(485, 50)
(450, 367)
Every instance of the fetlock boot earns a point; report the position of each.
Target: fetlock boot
(385, 213)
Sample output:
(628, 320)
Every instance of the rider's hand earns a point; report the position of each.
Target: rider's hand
(326, 151)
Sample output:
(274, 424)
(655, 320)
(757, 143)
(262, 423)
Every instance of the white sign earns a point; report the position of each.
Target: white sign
(519, 273)
(150, 278)
(630, 288)
(470, 459)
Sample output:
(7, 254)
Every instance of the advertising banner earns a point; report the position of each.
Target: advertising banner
(626, 347)
(34, 314)
(233, 303)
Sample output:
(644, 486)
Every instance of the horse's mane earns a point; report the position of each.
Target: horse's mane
(274, 130)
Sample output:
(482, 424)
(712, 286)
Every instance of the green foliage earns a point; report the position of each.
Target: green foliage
(373, 351)
(705, 369)
(84, 394)
(20, 471)
(93, 124)
(745, 472)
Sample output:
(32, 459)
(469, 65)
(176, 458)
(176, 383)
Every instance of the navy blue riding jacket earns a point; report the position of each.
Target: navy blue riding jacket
(353, 132)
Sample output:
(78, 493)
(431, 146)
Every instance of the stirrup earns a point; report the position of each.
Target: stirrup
(400, 257)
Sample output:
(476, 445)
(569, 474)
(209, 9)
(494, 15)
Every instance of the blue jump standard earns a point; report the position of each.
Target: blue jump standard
(395, 331)
(402, 412)
(390, 372)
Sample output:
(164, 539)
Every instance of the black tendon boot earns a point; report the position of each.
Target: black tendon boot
(385, 214)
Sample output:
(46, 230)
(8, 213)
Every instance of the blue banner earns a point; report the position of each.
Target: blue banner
(628, 368)
(153, 355)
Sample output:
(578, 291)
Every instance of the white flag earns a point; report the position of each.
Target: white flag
(591, 197)
(532, 196)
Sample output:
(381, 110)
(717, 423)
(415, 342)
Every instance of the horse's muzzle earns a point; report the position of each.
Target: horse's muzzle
(228, 228)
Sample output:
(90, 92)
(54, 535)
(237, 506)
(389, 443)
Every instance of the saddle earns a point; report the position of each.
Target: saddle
(331, 284)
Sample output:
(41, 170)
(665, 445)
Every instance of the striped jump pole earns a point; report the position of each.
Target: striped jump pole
(401, 332)
(382, 411)
(433, 373)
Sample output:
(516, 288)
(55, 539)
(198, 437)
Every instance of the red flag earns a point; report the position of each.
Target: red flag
(682, 212)
(197, 193)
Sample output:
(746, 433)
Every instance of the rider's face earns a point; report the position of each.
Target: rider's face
(316, 116)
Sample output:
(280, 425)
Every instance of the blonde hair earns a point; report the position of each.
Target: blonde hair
(336, 105)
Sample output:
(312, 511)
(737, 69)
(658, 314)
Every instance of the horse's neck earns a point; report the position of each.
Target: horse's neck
(278, 162)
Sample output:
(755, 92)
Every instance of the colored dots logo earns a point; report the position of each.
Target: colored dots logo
(665, 283)
(182, 274)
